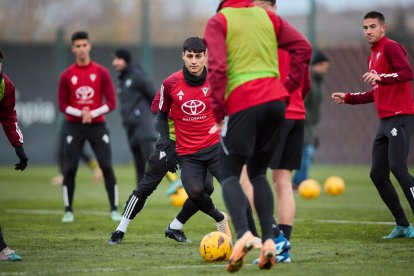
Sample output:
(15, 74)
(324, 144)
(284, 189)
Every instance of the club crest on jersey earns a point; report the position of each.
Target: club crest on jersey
(180, 95)
(74, 80)
(162, 154)
(193, 107)
(128, 82)
(205, 90)
(92, 77)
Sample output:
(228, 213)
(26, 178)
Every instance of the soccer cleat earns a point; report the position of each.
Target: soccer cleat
(116, 237)
(9, 255)
(282, 244)
(243, 245)
(267, 258)
(223, 226)
(283, 257)
(116, 216)
(398, 232)
(410, 232)
(176, 234)
(68, 217)
(174, 186)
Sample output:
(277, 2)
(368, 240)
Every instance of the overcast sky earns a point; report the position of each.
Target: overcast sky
(290, 7)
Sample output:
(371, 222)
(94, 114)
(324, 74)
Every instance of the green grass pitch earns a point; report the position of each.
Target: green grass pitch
(332, 235)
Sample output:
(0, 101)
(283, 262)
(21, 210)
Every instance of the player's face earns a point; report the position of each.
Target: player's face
(119, 63)
(81, 48)
(373, 30)
(194, 62)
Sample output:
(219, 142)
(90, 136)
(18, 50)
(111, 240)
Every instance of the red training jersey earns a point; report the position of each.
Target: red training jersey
(191, 111)
(86, 86)
(393, 93)
(8, 118)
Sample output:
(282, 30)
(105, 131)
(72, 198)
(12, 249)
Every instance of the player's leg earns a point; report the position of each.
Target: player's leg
(73, 144)
(98, 137)
(141, 153)
(302, 174)
(58, 179)
(380, 175)
(192, 174)
(399, 142)
(92, 163)
(6, 254)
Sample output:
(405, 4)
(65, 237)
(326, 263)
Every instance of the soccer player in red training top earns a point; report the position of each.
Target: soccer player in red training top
(83, 87)
(288, 154)
(186, 94)
(8, 120)
(242, 42)
(390, 74)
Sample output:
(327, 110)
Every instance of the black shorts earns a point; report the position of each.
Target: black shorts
(198, 164)
(253, 130)
(288, 154)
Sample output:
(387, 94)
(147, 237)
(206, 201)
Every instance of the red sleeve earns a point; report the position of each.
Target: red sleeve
(63, 92)
(155, 103)
(289, 39)
(306, 82)
(108, 89)
(359, 98)
(8, 117)
(397, 57)
(165, 96)
(215, 39)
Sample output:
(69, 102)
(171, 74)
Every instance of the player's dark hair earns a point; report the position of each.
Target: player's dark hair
(194, 44)
(375, 15)
(1, 56)
(79, 35)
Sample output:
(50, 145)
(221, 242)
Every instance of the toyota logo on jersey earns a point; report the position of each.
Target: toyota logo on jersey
(84, 93)
(193, 107)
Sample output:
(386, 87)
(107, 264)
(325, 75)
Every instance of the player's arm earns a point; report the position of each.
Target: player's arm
(108, 90)
(353, 98)
(289, 39)
(64, 96)
(402, 71)
(8, 119)
(215, 39)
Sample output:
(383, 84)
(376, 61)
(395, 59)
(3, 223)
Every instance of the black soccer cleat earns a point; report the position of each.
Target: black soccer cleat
(175, 234)
(116, 237)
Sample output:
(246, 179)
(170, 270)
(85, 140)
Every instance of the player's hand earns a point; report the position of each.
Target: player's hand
(23, 159)
(338, 97)
(86, 116)
(216, 127)
(170, 155)
(371, 77)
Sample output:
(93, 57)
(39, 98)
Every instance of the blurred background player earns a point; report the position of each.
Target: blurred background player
(288, 152)
(8, 120)
(390, 75)
(135, 93)
(242, 42)
(319, 67)
(85, 156)
(83, 87)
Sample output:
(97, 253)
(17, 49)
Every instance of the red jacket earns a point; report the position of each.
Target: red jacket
(8, 117)
(215, 37)
(393, 93)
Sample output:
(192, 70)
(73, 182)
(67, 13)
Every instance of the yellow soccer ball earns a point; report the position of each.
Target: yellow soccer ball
(309, 188)
(334, 185)
(178, 198)
(216, 247)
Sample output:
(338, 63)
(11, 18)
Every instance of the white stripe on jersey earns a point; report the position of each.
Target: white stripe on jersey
(161, 97)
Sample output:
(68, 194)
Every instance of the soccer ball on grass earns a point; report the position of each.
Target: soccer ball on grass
(216, 247)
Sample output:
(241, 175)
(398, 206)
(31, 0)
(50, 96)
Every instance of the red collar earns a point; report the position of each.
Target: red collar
(237, 4)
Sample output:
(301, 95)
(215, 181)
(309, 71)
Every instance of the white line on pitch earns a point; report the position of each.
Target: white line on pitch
(102, 213)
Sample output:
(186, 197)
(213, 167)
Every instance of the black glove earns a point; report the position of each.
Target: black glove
(170, 155)
(23, 159)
